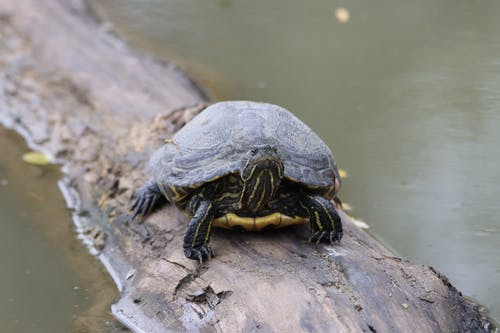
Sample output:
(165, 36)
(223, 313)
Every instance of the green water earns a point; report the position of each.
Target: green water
(48, 281)
(407, 93)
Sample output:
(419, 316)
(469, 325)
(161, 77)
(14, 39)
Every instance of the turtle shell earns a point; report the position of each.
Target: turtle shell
(213, 144)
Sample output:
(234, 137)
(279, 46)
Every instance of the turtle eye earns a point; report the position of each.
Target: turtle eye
(275, 149)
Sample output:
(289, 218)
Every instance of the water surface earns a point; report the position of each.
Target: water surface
(406, 93)
(49, 282)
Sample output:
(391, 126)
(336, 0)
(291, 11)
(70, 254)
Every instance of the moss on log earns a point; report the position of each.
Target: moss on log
(99, 109)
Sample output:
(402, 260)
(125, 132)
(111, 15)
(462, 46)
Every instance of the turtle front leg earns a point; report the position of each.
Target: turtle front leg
(147, 199)
(326, 225)
(198, 231)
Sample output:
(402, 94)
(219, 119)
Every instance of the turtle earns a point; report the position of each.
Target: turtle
(243, 164)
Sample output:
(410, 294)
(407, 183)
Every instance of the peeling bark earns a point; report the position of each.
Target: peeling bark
(99, 109)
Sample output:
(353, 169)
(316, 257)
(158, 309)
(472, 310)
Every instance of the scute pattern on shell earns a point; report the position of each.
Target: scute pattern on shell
(213, 144)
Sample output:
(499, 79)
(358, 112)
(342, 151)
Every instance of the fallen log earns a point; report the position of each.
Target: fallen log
(99, 109)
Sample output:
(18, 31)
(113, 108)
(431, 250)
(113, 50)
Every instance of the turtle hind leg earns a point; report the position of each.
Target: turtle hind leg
(147, 199)
(326, 225)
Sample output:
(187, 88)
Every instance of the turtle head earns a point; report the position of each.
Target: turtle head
(261, 173)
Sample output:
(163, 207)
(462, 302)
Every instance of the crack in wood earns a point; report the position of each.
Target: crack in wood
(188, 279)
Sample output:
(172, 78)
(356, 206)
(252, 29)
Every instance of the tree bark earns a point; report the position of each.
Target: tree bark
(99, 109)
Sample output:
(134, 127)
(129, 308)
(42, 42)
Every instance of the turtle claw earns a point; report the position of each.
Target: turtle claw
(325, 236)
(335, 236)
(201, 253)
(145, 200)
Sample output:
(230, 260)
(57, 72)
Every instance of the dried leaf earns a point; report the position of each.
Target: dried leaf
(346, 207)
(342, 15)
(36, 158)
(359, 223)
(130, 274)
(343, 173)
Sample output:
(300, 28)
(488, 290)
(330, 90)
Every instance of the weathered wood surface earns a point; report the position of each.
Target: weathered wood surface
(99, 109)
